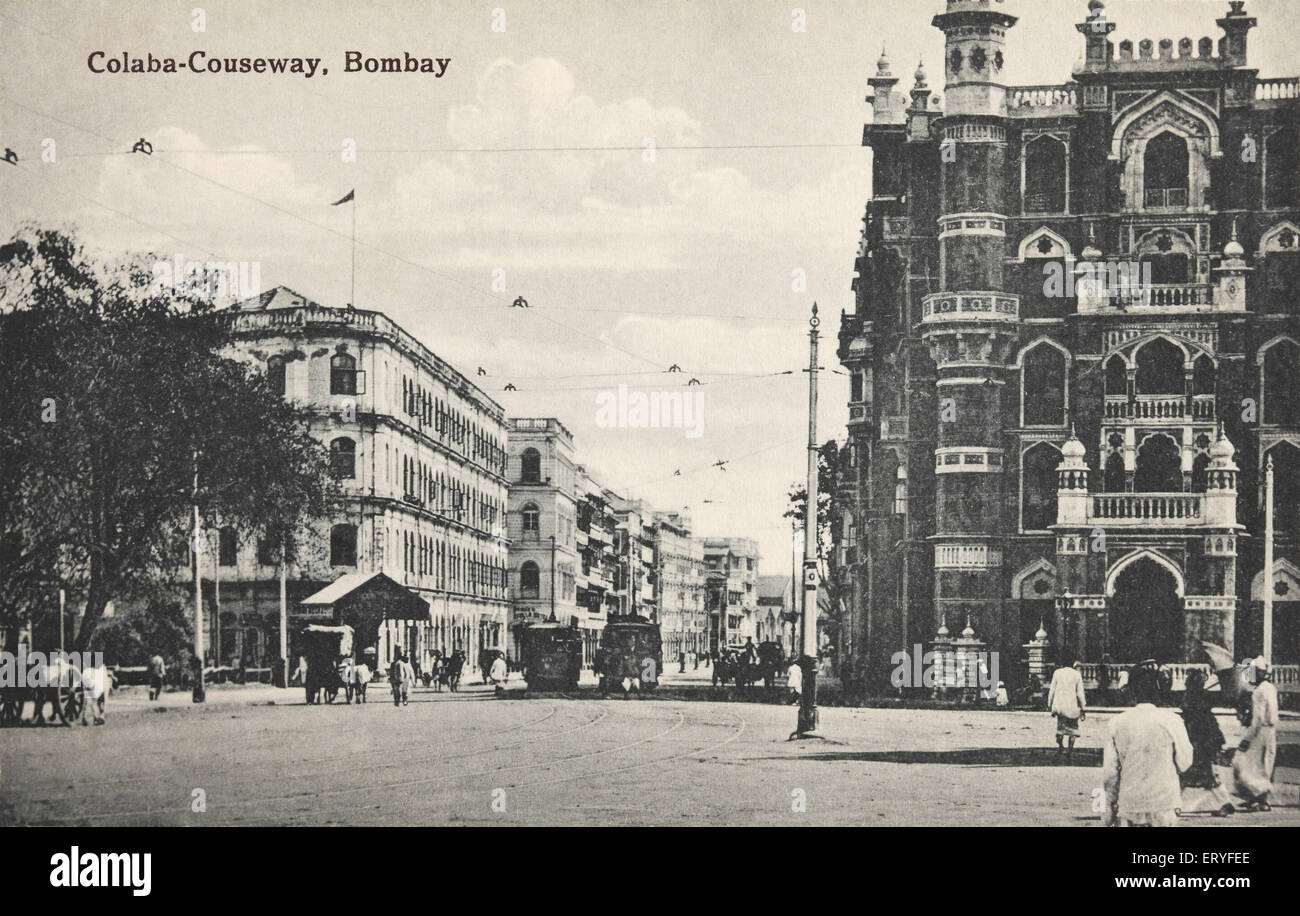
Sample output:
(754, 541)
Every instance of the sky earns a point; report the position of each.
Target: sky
(736, 169)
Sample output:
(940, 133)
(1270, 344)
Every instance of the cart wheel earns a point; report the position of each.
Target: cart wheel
(71, 702)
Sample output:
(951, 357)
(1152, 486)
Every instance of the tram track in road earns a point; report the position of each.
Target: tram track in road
(190, 778)
(586, 774)
(215, 808)
(263, 742)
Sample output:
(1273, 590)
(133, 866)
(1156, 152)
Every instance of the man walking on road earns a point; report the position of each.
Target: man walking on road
(1145, 751)
(1066, 701)
(157, 671)
(400, 677)
(1252, 768)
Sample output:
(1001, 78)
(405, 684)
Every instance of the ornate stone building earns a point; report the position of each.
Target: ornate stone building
(420, 455)
(1073, 347)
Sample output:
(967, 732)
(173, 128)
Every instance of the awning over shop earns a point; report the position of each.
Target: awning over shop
(363, 601)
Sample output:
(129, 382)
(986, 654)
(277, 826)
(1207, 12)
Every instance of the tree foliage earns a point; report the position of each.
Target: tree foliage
(117, 394)
(830, 513)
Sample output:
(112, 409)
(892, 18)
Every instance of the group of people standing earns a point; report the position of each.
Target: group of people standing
(1158, 764)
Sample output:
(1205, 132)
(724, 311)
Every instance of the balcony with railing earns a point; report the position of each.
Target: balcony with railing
(1042, 101)
(1147, 509)
(1160, 407)
(974, 306)
(1278, 89)
(1101, 294)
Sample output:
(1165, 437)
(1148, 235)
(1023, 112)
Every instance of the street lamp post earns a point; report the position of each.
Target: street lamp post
(808, 699)
(1268, 560)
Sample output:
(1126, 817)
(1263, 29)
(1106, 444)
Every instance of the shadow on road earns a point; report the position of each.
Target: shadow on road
(980, 756)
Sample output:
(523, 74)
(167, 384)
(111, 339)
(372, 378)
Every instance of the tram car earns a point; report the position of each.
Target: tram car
(630, 647)
(551, 654)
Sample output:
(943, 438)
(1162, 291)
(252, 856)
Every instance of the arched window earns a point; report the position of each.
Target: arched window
(531, 466)
(275, 374)
(1042, 386)
(1116, 376)
(532, 520)
(1203, 375)
(1045, 175)
(343, 374)
(1115, 477)
(1286, 486)
(1165, 170)
(529, 580)
(1159, 466)
(343, 458)
(1039, 483)
(343, 545)
(1160, 368)
(228, 547)
(1281, 406)
(1282, 170)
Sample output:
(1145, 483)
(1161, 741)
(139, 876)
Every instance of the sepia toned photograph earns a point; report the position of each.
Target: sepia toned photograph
(597, 413)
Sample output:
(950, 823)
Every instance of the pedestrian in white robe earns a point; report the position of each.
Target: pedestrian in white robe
(1252, 767)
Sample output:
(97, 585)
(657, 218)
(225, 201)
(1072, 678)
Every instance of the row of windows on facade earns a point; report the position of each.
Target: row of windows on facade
(1165, 173)
(452, 426)
(1159, 368)
(448, 496)
(343, 547)
(452, 567)
(343, 374)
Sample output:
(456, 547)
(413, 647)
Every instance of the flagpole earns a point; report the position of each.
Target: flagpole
(353, 303)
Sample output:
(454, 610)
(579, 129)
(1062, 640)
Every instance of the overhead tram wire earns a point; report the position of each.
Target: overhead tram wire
(683, 386)
(382, 251)
(229, 189)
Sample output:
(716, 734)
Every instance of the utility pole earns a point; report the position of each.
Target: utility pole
(62, 599)
(808, 699)
(1268, 560)
(199, 693)
(284, 608)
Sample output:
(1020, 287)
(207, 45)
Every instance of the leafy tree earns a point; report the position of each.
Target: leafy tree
(832, 585)
(119, 402)
(163, 627)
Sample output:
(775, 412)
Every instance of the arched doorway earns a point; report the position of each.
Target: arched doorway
(1145, 618)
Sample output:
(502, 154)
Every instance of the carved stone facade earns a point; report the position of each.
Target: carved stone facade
(1064, 357)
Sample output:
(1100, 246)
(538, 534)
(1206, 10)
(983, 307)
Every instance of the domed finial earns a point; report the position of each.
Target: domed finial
(969, 631)
(920, 74)
(1042, 631)
(882, 65)
(1092, 252)
(943, 625)
(1233, 249)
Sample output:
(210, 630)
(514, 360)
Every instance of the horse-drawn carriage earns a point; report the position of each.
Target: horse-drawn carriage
(59, 686)
(552, 656)
(630, 654)
(328, 651)
(744, 670)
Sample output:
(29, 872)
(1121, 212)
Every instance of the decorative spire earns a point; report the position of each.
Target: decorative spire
(882, 65)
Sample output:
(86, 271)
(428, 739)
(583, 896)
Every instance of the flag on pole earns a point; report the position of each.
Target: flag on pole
(346, 197)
